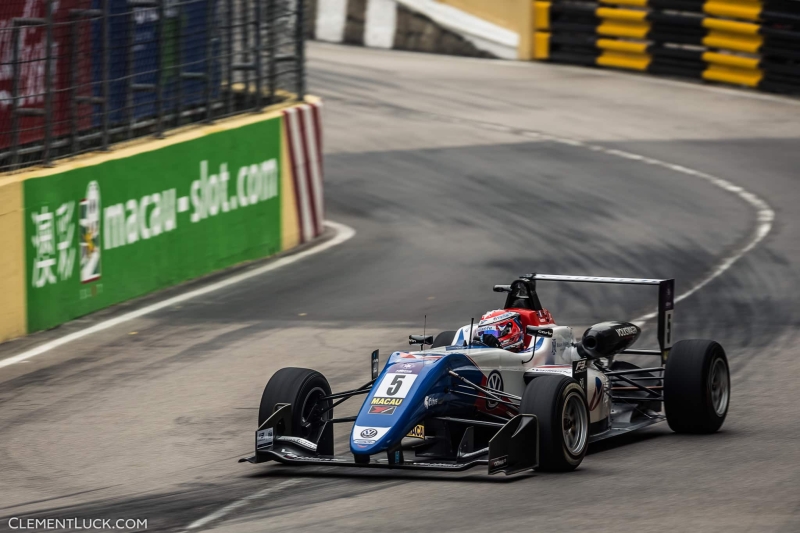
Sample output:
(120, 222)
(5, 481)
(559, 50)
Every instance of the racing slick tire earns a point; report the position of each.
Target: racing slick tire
(302, 388)
(444, 338)
(697, 386)
(559, 404)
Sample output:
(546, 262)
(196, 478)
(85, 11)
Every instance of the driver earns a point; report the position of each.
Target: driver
(501, 329)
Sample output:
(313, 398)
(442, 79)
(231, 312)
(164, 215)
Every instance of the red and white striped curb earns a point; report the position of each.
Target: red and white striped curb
(304, 133)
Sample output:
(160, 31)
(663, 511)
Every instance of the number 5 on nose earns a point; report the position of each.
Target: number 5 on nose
(395, 385)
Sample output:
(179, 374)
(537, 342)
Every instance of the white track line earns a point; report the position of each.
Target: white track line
(197, 524)
(764, 213)
(343, 233)
(764, 219)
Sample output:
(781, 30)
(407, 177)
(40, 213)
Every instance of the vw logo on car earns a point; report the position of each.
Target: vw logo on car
(495, 382)
(369, 433)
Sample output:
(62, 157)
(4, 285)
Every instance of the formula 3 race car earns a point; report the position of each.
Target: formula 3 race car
(466, 402)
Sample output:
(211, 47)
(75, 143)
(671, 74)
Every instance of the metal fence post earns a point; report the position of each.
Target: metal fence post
(301, 49)
(160, 70)
(48, 86)
(131, 38)
(245, 44)
(73, 81)
(231, 55)
(272, 44)
(179, 63)
(209, 56)
(257, 55)
(106, 22)
(15, 64)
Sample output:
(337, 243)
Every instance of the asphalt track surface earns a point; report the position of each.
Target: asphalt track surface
(440, 166)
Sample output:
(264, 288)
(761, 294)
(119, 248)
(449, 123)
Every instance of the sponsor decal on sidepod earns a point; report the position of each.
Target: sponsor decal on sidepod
(598, 393)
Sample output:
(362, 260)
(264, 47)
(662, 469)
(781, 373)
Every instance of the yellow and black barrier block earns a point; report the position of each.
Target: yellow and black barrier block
(659, 59)
(640, 56)
(680, 42)
(752, 10)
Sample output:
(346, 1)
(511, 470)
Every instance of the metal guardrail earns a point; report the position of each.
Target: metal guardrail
(80, 75)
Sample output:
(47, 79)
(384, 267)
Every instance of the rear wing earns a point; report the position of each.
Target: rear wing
(666, 302)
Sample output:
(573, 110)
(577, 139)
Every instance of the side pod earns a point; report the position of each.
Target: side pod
(516, 446)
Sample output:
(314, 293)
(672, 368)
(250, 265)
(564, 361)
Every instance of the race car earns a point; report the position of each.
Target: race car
(514, 393)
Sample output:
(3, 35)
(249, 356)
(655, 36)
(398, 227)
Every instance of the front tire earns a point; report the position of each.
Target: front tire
(559, 404)
(696, 387)
(302, 388)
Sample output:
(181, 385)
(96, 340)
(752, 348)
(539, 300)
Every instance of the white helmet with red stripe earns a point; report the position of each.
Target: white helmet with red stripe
(503, 325)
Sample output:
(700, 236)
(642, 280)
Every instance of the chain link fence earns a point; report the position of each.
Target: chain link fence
(79, 75)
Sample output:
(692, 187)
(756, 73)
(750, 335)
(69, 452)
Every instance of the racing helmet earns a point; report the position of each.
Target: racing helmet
(503, 325)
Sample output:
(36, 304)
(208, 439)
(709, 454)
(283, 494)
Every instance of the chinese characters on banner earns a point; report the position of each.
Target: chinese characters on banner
(55, 245)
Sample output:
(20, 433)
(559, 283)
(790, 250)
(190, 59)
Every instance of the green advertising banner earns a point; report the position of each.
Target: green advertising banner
(106, 233)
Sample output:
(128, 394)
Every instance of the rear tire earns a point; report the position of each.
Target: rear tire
(302, 388)
(559, 404)
(697, 387)
(443, 339)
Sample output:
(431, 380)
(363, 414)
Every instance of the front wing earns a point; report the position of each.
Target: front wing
(514, 448)
(288, 456)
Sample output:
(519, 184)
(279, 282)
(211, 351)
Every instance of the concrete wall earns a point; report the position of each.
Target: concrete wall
(417, 25)
(12, 260)
(514, 15)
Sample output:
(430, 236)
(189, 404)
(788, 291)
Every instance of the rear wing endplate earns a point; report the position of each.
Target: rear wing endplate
(666, 300)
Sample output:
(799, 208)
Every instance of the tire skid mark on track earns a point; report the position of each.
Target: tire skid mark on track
(222, 513)
(313, 492)
(765, 215)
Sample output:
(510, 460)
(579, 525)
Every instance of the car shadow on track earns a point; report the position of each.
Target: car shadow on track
(662, 432)
(628, 439)
(476, 476)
